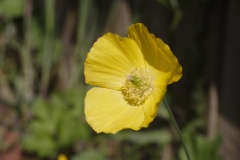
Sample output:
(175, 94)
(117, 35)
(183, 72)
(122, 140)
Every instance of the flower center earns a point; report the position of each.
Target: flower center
(137, 86)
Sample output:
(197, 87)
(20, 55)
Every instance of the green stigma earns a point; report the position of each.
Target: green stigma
(136, 81)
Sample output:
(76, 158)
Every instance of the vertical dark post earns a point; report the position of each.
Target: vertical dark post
(230, 84)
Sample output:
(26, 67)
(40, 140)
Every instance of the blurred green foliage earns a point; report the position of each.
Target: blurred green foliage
(199, 146)
(41, 80)
(13, 8)
(57, 123)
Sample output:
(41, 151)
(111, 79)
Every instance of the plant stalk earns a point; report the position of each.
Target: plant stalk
(177, 128)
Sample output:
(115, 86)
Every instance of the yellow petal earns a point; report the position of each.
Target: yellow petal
(151, 104)
(177, 74)
(150, 108)
(110, 59)
(155, 51)
(175, 67)
(107, 111)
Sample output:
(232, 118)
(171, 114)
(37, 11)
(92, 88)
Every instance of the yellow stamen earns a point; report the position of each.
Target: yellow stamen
(137, 86)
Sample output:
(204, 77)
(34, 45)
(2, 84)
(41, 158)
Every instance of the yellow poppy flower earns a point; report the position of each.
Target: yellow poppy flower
(130, 76)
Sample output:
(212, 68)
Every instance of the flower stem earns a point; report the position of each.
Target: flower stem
(177, 128)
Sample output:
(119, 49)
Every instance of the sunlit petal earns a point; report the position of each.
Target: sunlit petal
(110, 112)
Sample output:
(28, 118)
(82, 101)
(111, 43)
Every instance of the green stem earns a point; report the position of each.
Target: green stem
(177, 128)
(48, 48)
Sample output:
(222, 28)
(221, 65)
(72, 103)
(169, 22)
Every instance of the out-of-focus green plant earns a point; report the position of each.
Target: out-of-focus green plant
(150, 137)
(200, 147)
(49, 113)
(13, 8)
(159, 138)
(57, 123)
